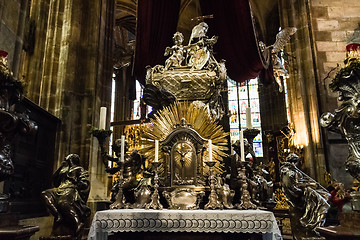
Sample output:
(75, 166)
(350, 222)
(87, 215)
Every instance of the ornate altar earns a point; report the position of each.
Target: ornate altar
(182, 151)
(185, 132)
(185, 95)
(183, 147)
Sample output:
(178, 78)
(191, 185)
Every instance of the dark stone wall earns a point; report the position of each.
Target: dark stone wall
(13, 15)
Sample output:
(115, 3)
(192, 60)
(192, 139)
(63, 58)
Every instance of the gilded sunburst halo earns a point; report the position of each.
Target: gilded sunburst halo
(198, 117)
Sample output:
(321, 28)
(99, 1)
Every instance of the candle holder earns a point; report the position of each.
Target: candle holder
(250, 134)
(245, 198)
(120, 198)
(214, 202)
(155, 198)
(101, 135)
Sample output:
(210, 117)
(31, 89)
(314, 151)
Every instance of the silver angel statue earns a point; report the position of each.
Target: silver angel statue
(306, 197)
(346, 118)
(200, 48)
(278, 67)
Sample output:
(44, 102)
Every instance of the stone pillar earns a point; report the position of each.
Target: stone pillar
(303, 85)
(33, 62)
(122, 101)
(69, 74)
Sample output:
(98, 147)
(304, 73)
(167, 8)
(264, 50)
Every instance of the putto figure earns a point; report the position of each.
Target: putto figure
(67, 200)
(177, 52)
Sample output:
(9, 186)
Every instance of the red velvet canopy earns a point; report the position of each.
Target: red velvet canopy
(156, 24)
(232, 22)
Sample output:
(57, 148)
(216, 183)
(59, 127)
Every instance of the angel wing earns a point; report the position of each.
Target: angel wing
(157, 98)
(282, 38)
(198, 31)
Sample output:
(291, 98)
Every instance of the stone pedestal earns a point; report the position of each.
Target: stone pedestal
(10, 228)
(348, 229)
(350, 220)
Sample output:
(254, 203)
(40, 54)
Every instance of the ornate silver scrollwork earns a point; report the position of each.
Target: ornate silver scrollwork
(346, 118)
(184, 198)
(190, 73)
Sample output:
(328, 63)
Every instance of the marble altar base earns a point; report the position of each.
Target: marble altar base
(183, 224)
(185, 236)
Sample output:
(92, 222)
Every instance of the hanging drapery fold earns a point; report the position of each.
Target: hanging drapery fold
(156, 24)
(237, 43)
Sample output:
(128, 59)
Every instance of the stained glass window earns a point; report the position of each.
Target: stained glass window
(242, 96)
(136, 114)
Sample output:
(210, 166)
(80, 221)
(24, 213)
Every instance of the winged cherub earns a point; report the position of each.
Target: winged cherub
(177, 52)
(281, 39)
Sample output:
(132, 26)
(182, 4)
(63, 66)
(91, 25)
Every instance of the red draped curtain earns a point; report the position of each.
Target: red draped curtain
(156, 24)
(232, 22)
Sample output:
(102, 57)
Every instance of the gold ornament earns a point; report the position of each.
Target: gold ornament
(197, 117)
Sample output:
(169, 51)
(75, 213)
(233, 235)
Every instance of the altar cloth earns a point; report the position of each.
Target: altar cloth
(206, 221)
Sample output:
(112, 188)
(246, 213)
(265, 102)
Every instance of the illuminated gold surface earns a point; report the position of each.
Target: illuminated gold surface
(184, 154)
(198, 117)
(133, 135)
(280, 199)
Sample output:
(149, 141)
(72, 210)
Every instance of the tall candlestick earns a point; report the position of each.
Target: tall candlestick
(242, 147)
(122, 153)
(248, 118)
(156, 151)
(102, 123)
(210, 150)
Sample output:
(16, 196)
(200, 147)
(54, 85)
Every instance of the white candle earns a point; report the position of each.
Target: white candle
(242, 148)
(156, 151)
(102, 123)
(248, 118)
(210, 150)
(122, 153)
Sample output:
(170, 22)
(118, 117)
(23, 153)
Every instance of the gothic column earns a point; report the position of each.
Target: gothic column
(303, 85)
(69, 74)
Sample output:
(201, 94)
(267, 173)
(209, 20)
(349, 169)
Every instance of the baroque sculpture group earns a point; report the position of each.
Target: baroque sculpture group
(184, 162)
